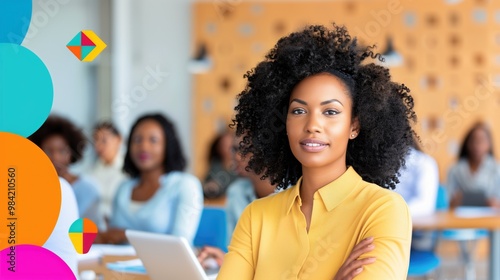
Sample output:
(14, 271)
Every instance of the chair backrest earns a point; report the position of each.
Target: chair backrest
(442, 203)
(212, 230)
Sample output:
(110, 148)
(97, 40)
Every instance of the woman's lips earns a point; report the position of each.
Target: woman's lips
(143, 157)
(313, 145)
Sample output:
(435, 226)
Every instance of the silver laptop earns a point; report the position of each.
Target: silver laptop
(167, 257)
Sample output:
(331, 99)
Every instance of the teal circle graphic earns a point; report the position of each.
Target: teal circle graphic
(26, 91)
(15, 18)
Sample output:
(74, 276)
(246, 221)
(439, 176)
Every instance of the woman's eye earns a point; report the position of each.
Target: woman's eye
(331, 112)
(298, 111)
(136, 140)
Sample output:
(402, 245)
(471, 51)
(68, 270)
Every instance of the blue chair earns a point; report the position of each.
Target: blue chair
(212, 230)
(423, 263)
(442, 203)
(465, 237)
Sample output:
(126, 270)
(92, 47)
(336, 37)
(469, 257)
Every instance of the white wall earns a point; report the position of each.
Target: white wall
(160, 33)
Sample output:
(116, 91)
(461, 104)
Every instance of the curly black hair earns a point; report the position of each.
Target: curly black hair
(57, 125)
(107, 125)
(464, 150)
(173, 159)
(384, 108)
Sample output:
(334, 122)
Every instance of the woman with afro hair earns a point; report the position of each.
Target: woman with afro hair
(316, 116)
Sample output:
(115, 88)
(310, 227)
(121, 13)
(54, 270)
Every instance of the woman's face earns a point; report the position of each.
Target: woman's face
(225, 146)
(319, 122)
(106, 144)
(479, 144)
(147, 146)
(58, 151)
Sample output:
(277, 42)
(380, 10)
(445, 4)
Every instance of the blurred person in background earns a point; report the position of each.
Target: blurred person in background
(240, 193)
(159, 197)
(476, 169)
(419, 182)
(107, 169)
(64, 143)
(418, 185)
(245, 189)
(221, 172)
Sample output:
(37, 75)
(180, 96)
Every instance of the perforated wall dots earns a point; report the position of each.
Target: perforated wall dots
(497, 39)
(453, 102)
(479, 15)
(225, 85)
(454, 61)
(279, 28)
(454, 19)
(257, 9)
(497, 16)
(257, 47)
(455, 40)
(350, 7)
(208, 105)
(210, 28)
(410, 63)
(410, 19)
(246, 29)
(432, 20)
(479, 59)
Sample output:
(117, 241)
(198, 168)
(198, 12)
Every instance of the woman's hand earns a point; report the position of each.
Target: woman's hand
(354, 266)
(211, 252)
(456, 199)
(112, 236)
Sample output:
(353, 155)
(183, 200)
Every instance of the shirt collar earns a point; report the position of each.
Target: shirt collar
(116, 163)
(331, 194)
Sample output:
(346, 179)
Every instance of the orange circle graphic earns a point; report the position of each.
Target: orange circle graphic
(30, 194)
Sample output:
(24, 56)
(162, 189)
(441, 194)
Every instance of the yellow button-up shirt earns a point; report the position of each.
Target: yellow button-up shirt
(270, 241)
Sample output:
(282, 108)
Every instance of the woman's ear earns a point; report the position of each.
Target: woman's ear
(354, 128)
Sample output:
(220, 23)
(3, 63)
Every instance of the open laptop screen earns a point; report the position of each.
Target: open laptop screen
(166, 256)
(474, 198)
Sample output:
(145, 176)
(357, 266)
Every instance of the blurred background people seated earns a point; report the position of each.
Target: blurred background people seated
(244, 190)
(476, 169)
(159, 197)
(240, 194)
(418, 185)
(221, 172)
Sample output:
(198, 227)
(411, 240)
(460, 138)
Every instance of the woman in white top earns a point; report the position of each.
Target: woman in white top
(107, 169)
(476, 169)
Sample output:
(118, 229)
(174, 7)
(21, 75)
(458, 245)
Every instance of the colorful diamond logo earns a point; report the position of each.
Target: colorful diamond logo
(82, 234)
(86, 45)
